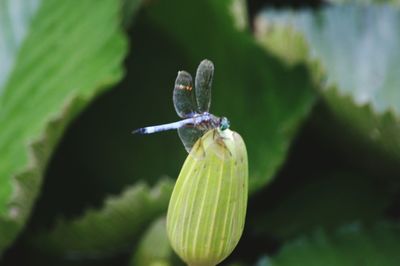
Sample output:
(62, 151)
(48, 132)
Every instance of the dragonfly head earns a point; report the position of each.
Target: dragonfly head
(223, 123)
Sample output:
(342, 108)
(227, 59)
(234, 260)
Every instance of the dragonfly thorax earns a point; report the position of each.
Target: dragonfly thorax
(207, 121)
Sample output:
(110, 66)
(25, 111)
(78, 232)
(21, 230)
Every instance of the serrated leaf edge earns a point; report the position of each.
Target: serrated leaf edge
(318, 71)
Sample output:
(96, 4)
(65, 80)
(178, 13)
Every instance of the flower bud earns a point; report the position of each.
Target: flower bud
(207, 210)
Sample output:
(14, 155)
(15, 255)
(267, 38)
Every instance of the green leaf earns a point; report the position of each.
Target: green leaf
(154, 248)
(112, 228)
(363, 2)
(59, 55)
(264, 100)
(351, 245)
(352, 52)
(129, 9)
(327, 202)
(110, 157)
(15, 22)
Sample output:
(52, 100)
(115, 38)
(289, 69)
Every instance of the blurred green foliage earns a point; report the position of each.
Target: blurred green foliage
(313, 91)
(349, 245)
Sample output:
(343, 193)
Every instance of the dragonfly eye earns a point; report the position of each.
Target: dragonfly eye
(224, 123)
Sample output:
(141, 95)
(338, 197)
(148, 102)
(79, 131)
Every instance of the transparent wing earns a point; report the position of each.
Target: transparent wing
(189, 135)
(183, 96)
(203, 82)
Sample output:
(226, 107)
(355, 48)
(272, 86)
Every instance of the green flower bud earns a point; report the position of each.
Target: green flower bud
(207, 209)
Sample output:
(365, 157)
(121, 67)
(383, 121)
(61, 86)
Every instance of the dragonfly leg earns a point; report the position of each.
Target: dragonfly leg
(199, 148)
(219, 140)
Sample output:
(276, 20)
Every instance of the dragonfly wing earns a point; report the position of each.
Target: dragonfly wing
(203, 82)
(183, 96)
(189, 135)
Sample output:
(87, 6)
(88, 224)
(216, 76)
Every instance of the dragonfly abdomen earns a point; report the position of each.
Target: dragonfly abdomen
(205, 121)
(159, 128)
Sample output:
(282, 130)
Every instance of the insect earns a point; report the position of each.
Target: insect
(192, 104)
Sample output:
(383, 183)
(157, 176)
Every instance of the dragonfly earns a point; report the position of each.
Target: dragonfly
(192, 105)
